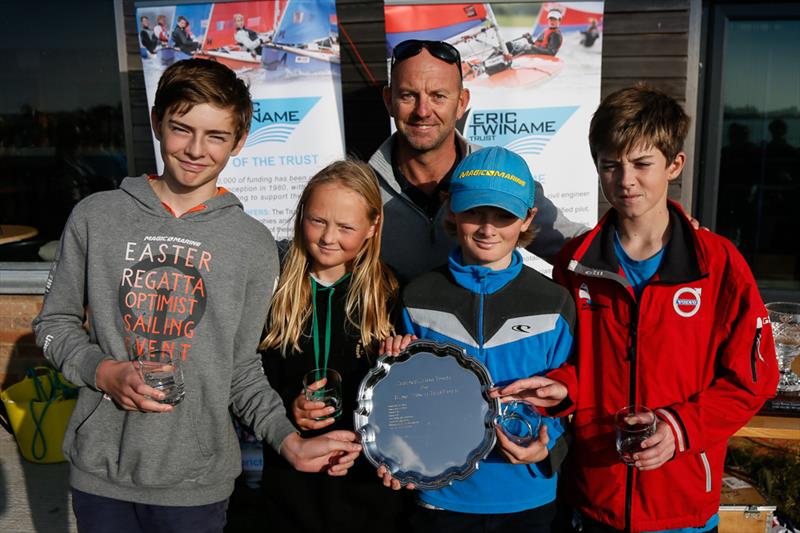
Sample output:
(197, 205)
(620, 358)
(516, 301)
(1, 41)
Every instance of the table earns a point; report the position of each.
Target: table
(771, 427)
(13, 233)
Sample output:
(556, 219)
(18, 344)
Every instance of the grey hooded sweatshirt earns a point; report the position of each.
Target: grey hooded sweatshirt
(412, 243)
(196, 287)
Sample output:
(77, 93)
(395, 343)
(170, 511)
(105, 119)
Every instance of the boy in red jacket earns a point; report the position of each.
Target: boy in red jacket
(668, 317)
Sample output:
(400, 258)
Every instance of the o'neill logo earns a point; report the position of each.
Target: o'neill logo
(686, 301)
(274, 119)
(524, 131)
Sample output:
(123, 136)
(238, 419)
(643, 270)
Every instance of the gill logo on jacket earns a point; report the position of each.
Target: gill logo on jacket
(686, 301)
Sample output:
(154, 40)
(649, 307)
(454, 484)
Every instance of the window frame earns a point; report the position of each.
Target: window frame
(20, 277)
(719, 16)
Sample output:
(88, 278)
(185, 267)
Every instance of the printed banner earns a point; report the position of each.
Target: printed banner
(287, 51)
(533, 71)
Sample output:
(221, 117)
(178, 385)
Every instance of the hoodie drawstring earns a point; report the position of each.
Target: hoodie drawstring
(315, 323)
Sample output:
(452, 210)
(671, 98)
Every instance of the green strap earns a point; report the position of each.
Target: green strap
(41, 396)
(38, 432)
(315, 322)
(64, 389)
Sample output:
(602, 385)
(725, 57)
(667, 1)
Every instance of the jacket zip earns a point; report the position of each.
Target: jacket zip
(632, 353)
(430, 221)
(632, 346)
(480, 319)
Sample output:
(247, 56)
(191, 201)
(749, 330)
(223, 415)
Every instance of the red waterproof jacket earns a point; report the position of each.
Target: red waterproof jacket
(697, 348)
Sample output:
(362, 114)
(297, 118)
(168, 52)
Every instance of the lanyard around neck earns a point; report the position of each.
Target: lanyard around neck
(315, 323)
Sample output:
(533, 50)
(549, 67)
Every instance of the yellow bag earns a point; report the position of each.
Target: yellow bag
(39, 408)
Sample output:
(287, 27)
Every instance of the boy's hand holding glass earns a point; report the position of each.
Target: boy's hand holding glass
(521, 436)
(643, 440)
(123, 383)
(656, 449)
(533, 452)
(162, 372)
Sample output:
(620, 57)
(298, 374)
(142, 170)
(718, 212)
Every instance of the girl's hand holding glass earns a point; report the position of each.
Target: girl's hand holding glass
(309, 414)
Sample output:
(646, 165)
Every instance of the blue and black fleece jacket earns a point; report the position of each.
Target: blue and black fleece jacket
(518, 323)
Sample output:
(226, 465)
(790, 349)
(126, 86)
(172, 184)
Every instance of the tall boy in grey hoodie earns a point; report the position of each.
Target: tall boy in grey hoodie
(170, 263)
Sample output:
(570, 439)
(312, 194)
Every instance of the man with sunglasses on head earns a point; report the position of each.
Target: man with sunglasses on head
(426, 97)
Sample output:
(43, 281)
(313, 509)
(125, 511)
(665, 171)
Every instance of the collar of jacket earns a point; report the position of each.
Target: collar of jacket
(381, 160)
(683, 261)
(480, 279)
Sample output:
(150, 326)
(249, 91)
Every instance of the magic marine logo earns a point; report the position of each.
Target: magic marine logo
(275, 119)
(524, 131)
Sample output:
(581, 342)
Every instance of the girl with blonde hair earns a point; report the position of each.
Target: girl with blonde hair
(331, 310)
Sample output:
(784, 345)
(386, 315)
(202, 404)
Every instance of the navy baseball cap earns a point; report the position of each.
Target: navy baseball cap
(494, 177)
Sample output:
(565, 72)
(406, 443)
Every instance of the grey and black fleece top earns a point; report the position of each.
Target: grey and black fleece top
(197, 287)
(414, 243)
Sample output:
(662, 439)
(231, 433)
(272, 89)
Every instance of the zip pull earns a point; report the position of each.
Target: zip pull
(759, 326)
(755, 350)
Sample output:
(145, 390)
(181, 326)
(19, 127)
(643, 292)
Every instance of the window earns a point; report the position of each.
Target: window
(61, 126)
(751, 188)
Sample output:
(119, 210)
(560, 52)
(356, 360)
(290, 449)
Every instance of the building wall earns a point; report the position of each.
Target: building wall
(18, 350)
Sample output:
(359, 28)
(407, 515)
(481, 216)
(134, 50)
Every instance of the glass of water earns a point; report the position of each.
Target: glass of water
(163, 372)
(633, 424)
(785, 319)
(328, 392)
(520, 422)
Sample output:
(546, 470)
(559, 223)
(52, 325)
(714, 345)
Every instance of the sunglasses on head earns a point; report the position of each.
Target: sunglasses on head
(438, 49)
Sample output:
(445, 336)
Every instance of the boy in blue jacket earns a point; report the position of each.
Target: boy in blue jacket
(513, 320)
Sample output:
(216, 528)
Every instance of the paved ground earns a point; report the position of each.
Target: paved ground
(33, 497)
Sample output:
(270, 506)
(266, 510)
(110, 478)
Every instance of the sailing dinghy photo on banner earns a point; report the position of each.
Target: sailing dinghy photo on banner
(287, 51)
(533, 72)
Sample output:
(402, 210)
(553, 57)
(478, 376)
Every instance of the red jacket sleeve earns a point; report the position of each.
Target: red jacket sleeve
(746, 375)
